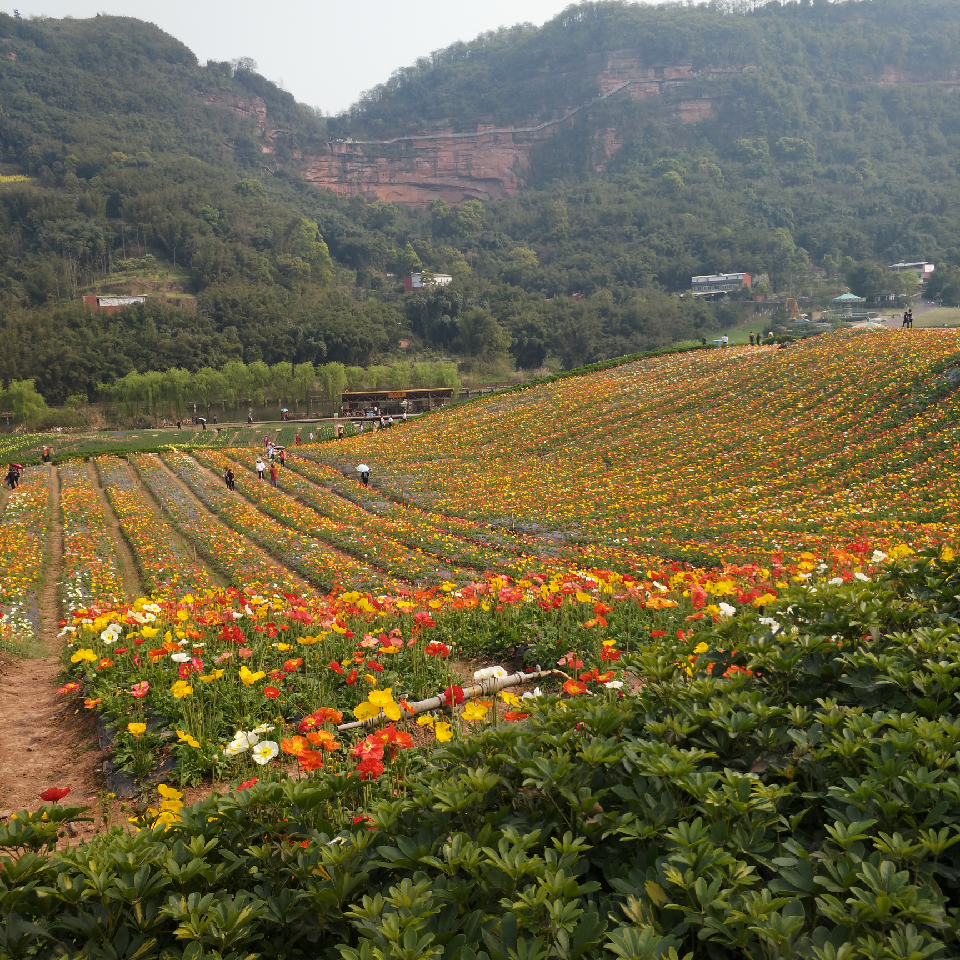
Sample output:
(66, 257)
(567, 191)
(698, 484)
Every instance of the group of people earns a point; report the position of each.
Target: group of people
(907, 321)
(758, 342)
(12, 479)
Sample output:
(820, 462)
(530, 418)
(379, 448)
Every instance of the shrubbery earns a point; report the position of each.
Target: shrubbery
(778, 786)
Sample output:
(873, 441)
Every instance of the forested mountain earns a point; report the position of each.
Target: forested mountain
(808, 143)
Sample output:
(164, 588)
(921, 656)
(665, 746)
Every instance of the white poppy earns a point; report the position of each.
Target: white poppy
(264, 752)
(726, 610)
(180, 657)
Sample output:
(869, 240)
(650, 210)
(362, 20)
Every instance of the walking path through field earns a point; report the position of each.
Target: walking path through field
(46, 741)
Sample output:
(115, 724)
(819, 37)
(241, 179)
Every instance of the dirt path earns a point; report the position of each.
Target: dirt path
(129, 571)
(46, 741)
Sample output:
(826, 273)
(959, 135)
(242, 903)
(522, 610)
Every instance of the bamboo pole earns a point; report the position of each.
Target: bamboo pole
(490, 685)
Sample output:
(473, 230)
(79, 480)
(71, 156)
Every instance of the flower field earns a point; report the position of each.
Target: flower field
(244, 564)
(320, 566)
(348, 534)
(91, 574)
(166, 568)
(728, 454)
(23, 540)
(459, 541)
(657, 662)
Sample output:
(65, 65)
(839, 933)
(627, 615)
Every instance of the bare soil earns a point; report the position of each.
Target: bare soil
(47, 743)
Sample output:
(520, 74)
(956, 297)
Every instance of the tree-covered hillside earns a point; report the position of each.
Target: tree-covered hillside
(126, 166)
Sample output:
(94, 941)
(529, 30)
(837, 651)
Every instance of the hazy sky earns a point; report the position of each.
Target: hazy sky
(325, 52)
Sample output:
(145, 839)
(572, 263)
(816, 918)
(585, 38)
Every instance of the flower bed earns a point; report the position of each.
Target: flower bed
(204, 667)
(353, 531)
(461, 541)
(23, 541)
(323, 568)
(245, 565)
(91, 572)
(167, 570)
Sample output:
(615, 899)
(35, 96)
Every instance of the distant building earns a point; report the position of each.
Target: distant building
(922, 269)
(417, 281)
(720, 283)
(110, 304)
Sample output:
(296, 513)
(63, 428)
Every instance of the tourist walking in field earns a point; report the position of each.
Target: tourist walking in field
(311, 436)
(274, 473)
(230, 479)
(261, 466)
(13, 476)
(339, 431)
(283, 457)
(298, 438)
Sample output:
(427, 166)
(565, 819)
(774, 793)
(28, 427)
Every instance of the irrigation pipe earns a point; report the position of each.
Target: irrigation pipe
(490, 685)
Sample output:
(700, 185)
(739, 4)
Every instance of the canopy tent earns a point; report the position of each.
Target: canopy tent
(848, 298)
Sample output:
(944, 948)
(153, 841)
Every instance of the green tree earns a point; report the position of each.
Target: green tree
(27, 405)
(333, 376)
(480, 335)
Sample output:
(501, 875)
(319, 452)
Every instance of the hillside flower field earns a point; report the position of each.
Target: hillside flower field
(731, 454)
(654, 662)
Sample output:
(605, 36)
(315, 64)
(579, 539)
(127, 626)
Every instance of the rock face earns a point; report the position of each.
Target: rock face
(492, 163)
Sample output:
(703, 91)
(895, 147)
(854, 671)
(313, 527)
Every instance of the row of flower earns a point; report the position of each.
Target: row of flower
(364, 541)
(459, 541)
(210, 677)
(245, 565)
(90, 566)
(318, 564)
(167, 569)
(732, 454)
(23, 541)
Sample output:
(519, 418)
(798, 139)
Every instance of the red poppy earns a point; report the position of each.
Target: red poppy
(291, 666)
(69, 688)
(351, 678)
(658, 633)
(247, 784)
(336, 667)
(575, 687)
(369, 768)
(453, 695)
(609, 653)
(271, 692)
(436, 649)
(515, 715)
(54, 794)
(311, 760)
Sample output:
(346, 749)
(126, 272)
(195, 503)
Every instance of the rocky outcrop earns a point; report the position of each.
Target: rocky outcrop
(493, 163)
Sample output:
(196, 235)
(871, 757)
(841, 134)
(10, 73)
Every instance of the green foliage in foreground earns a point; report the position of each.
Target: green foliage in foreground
(806, 805)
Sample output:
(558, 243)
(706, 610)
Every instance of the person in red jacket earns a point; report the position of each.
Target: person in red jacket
(274, 473)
